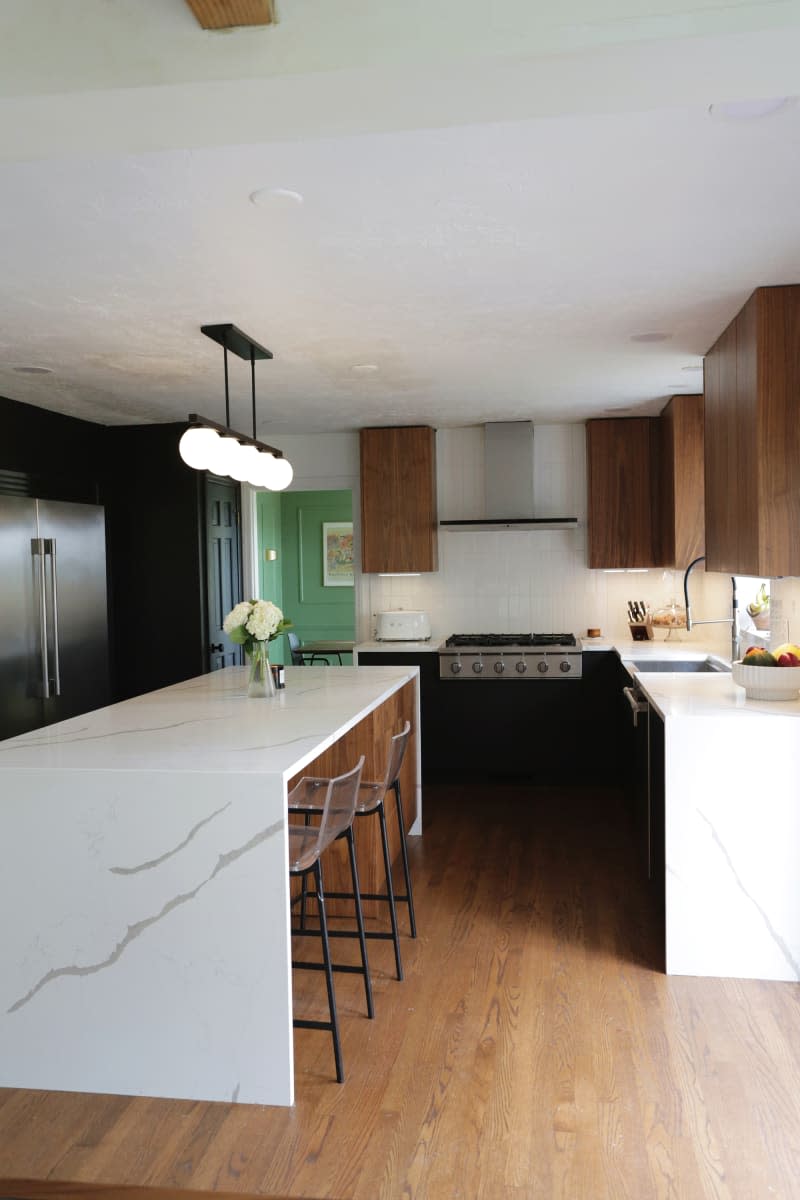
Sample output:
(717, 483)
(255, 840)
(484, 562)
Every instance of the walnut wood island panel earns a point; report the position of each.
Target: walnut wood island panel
(150, 953)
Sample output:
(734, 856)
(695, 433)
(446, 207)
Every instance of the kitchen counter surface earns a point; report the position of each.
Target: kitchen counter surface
(209, 724)
(697, 695)
(433, 644)
(147, 870)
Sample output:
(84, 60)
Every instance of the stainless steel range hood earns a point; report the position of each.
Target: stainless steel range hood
(508, 466)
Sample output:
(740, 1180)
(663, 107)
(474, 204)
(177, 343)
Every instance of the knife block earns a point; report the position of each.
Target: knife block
(641, 631)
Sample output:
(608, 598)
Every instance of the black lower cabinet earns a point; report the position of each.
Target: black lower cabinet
(547, 732)
(658, 872)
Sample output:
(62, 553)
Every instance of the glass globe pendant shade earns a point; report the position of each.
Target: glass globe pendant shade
(240, 466)
(266, 470)
(197, 446)
(250, 465)
(282, 473)
(225, 456)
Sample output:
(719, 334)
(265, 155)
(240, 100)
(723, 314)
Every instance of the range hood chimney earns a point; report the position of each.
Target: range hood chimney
(508, 466)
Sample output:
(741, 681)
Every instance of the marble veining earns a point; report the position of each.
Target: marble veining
(156, 862)
(136, 930)
(773, 933)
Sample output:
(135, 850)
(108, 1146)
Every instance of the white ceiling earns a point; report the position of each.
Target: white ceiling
(495, 199)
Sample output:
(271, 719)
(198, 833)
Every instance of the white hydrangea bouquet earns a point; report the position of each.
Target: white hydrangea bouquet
(253, 624)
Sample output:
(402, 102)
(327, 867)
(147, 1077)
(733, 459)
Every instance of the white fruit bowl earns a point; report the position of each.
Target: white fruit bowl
(767, 683)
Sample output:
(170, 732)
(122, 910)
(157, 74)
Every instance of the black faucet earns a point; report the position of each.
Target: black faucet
(733, 619)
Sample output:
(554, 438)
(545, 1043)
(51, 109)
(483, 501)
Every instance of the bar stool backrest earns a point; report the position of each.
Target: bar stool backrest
(397, 752)
(340, 805)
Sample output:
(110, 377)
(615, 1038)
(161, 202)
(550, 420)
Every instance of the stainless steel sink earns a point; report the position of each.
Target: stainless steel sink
(694, 666)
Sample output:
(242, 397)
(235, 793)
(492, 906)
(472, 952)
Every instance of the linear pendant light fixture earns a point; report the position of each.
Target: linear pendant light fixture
(207, 446)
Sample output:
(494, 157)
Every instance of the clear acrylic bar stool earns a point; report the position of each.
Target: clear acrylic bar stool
(371, 798)
(336, 803)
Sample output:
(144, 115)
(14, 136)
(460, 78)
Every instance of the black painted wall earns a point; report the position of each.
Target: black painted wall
(155, 520)
(48, 455)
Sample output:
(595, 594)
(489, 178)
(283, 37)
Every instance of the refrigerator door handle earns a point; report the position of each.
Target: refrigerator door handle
(38, 551)
(50, 548)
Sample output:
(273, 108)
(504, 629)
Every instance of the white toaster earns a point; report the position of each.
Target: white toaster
(403, 625)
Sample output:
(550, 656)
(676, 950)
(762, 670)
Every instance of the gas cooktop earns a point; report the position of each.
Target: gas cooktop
(511, 639)
(510, 656)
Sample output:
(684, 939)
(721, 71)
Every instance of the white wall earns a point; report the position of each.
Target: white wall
(507, 581)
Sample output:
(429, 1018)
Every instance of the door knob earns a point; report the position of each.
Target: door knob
(217, 647)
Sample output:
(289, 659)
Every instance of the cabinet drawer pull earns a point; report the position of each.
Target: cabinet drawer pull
(637, 704)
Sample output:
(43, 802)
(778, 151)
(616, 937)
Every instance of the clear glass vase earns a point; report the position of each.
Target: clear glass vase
(260, 682)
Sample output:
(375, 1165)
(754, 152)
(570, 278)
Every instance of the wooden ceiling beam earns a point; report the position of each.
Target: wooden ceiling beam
(230, 14)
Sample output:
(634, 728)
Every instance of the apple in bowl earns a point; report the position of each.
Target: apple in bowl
(787, 655)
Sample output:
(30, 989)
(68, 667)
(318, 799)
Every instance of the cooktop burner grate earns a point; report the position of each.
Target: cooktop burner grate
(511, 639)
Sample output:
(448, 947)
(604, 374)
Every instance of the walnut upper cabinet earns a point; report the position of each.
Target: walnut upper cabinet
(645, 480)
(622, 457)
(752, 439)
(681, 506)
(398, 499)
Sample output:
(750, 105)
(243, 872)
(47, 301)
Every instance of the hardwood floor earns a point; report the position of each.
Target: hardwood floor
(534, 1049)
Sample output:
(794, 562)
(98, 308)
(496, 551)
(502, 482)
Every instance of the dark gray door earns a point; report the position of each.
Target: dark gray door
(74, 544)
(21, 674)
(224, 569)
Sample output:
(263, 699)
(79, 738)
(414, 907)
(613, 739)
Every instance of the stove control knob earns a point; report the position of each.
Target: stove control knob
(455, 667)
(499, 667)
(542, 667)
(565, 665)
(522, 667)
(478, 667)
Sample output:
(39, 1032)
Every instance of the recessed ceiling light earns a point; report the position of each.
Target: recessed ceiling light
(33, 370)
(364, 368)
(698, 368)
(617, 410)
(650, 337)
(276, 196)
(749, 110)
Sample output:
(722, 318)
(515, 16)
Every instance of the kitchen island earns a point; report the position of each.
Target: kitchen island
(146, 871)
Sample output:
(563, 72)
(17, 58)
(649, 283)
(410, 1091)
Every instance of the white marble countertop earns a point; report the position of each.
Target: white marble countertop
(686, 694)
(209, 724)
(374, 647)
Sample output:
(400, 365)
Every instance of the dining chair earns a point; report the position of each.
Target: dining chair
(299, 659)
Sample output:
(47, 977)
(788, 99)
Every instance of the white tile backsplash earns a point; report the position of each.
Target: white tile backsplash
(510, 581)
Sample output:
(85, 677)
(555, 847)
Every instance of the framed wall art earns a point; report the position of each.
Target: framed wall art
(337, 554)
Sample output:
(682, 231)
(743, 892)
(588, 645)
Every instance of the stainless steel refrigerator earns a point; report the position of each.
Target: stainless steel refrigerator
(53, 612)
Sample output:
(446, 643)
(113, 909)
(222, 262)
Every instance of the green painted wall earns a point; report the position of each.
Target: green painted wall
(291, 523)
(268, 512)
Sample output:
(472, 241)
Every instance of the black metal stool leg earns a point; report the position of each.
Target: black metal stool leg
(404, 851)
(304, 885)
(351, 848)
(326, 957)
(390, 891)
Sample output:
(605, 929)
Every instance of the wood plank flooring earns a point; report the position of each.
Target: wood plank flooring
(534, 1049)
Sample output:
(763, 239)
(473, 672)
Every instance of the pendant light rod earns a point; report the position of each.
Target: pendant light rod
(227, 389)
(253, 387)
(196, 420)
